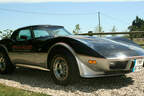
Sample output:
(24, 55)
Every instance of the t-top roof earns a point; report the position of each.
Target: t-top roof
(45, 26)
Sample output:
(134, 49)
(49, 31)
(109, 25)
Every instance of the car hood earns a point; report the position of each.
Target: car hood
(111, 48)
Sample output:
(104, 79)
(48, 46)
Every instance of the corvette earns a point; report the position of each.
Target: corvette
(67, 56)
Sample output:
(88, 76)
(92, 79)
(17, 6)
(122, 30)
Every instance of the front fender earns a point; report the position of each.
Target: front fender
(56, 45)
(83, 69)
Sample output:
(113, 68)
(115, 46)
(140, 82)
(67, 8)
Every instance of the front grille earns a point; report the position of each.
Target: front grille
(118, 65)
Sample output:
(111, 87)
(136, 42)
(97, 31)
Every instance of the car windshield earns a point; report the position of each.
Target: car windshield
(59, 32)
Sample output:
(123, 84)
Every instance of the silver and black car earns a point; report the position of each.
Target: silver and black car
(67, 56)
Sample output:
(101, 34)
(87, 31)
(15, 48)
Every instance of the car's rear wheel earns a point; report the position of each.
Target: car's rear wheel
(64, 68)
(6, 67)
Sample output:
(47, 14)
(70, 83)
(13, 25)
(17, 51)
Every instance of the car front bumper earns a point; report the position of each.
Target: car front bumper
(106, 67)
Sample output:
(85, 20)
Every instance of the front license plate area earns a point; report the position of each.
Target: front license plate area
(138, 64)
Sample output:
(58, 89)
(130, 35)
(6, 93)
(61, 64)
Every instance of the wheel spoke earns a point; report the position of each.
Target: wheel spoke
(60, 68)
(2, 62)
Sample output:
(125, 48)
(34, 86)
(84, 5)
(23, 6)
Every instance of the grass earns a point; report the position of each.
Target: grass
(139, 42)
(11, 91)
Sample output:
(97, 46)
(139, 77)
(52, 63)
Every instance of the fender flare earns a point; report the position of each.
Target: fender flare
(69, 48)
(5, 49)
(80, 65)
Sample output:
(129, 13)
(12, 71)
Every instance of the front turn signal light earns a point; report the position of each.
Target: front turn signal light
(92, 61)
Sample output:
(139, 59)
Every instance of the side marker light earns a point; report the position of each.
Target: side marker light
(92, 61)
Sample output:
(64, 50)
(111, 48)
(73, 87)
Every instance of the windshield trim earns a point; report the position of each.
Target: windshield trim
(68, 33)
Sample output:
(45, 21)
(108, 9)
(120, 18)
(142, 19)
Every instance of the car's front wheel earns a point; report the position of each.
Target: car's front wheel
(6, 66)
(64, 68)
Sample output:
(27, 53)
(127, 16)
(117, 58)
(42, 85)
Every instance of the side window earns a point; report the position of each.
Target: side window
(40, 33)
(25, 33)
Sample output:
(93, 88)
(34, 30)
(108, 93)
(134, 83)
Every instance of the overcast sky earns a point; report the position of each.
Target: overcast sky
(119, 13)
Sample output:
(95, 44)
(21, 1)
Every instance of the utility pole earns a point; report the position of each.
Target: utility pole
(99, 23)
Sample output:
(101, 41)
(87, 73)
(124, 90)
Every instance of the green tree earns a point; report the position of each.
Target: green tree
(137, 25)
(5, 34)
(77, 29)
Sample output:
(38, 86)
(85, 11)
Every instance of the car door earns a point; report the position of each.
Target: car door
(22, 46)
(28, 48)
(41, 38)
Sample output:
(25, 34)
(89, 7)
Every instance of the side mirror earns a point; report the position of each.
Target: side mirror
(23, 37)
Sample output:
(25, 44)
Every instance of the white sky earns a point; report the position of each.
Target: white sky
(29, 1)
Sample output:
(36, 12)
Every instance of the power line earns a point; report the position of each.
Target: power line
(42, 13)
(114, 18)
(46, 13)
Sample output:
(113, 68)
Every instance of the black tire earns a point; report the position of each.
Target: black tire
(6, 67)
(73, 72)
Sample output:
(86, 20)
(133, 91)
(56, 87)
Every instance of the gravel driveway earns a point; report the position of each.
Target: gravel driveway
(39, 81)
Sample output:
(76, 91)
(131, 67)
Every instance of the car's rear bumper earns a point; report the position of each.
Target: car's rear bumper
(103, 67)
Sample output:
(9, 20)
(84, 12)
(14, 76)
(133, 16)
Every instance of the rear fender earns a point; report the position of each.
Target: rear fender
(3, 48)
